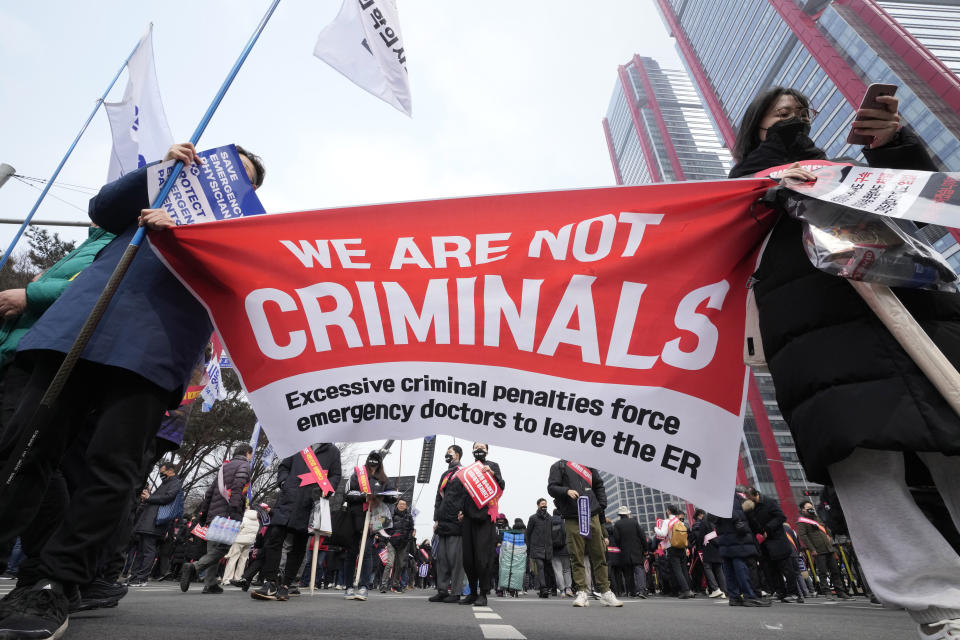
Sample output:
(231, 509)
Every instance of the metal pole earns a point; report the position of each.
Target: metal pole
(56, 172)
(45, 223)
(44, 410)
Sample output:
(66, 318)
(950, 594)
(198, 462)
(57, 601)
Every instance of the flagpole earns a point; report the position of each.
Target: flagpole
(56, 172)
(45, 408)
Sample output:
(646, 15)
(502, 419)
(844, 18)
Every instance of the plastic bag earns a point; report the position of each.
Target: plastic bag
(857, 245)
(320, 521)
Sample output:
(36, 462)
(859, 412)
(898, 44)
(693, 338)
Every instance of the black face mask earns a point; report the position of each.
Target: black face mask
(479, 454)
(794, 133)
(542, 509)
(448, 458)
(373, 463)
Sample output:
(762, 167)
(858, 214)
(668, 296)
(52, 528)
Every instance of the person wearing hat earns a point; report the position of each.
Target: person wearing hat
(630, 537)
(362, 493)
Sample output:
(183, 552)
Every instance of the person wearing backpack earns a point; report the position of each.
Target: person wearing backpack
(148, 529)
(561, 557)
(674, 533)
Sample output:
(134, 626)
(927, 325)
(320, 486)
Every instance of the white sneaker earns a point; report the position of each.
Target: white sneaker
(716, 594)
(607, 599)
(942, 630)
(581, 599)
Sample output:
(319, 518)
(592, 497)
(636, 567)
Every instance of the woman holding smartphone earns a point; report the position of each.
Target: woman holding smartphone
(861, 412)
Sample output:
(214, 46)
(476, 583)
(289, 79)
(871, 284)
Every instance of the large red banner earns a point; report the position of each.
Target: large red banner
(600, 325)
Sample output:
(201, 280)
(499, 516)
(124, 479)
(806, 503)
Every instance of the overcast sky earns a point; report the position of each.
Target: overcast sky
(507, 97)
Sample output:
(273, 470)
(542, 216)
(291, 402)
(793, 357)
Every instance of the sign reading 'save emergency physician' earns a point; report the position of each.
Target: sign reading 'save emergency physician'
(216, 189)
(603, 326)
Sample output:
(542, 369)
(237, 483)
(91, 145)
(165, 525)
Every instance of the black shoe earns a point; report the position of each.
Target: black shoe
(10, 601)
(283, 593)
(164, 577)
(843, 595)
(41, 612)
(244, 584)
(470, 599)
(799, 600)
(186, 576)
(756, 602)
(641, 595)
(100, 594)
(267, 592)
(214, 589)
(440, 596)
(293, 591)
(451, 599)
(736, 602)
(686, 595)
(481, 600)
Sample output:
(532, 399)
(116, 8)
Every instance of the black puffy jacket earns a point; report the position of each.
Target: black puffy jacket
(734, 536)
(842, 381)
(236, 475)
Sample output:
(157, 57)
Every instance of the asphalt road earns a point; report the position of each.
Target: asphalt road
(161, 611)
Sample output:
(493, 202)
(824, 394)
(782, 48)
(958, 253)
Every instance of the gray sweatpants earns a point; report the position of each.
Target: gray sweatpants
(449, 563)
(907, 562)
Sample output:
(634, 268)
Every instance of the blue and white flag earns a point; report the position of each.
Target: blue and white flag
(138, 123)
(364, 44)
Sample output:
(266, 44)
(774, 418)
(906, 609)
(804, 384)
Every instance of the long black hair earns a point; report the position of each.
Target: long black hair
(748, 135)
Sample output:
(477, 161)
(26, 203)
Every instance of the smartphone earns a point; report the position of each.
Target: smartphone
(869, 101)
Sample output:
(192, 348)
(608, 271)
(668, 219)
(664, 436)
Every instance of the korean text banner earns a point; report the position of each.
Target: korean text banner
(603, 326)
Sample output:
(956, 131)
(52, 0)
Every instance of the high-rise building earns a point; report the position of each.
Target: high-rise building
(657, 129)
(645, 503)
(830, 50)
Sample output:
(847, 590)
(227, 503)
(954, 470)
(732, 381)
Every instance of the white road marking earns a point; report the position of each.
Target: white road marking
(484, 615)
(501, 631)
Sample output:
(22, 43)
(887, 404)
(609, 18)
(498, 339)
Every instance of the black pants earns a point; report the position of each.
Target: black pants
(254, 566)
(273, 549)
(827, 563)
(678, 574)
(780, 570)
(126, 410)
(146, 555)
(479, 547)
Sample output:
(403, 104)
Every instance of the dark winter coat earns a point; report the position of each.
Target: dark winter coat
(153, 326)
(448, 503)
(356, 499)
(698, 531)
(766, 518)
(470, 509)
(539, 536)
(734, 536)
(401, 528)
(812, 537)
(294, 503)
(842, 381)
(164, 494)
(631, 538)
(236, 474)
(562, 479)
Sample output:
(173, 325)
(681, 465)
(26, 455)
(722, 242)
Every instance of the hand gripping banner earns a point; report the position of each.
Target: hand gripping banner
(480, 485)
(599, 325)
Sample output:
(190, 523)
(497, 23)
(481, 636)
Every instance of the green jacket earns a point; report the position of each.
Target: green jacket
(47, 288)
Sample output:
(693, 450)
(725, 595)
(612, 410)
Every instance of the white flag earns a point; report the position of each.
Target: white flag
(138, 123)
(364, 44)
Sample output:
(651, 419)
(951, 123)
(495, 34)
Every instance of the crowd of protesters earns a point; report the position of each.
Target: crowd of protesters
(864, 417)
